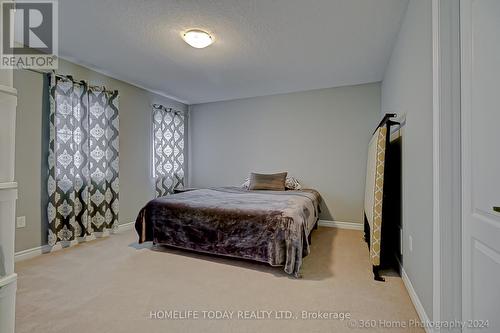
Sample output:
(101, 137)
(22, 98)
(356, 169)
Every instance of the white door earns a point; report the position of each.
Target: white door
(480, 88)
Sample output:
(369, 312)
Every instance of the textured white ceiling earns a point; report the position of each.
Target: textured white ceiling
(262, 47)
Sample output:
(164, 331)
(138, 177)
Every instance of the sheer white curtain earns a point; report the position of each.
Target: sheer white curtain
(168, 149)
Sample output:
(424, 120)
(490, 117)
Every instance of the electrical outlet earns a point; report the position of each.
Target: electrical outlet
(410, 243)
(21, 222)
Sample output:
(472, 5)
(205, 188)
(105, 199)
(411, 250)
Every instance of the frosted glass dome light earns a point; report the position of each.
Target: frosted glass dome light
(197, 38)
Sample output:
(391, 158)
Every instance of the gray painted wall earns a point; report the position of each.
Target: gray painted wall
(407, 89)
(135, 123)
(320, 137)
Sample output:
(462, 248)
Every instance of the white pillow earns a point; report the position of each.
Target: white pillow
(246, 184)
(290, 183)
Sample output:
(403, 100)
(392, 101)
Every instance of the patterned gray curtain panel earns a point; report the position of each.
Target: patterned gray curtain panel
(168, 157)
(83, 161)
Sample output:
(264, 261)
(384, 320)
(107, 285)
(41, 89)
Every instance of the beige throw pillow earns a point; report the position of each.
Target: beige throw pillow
(273, 182)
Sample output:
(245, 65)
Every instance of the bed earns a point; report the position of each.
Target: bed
(273, 227)
(383, 198)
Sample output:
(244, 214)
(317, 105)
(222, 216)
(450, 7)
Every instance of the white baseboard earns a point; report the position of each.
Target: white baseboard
(416, 301)
(36, 251)
(341, 225)
(6, 280)
(409, 287)
(125, 226)
(39, 250)
(31, 253)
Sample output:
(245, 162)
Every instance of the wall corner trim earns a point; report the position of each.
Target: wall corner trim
(436, 132)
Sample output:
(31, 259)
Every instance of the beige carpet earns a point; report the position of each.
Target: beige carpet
(113, 285)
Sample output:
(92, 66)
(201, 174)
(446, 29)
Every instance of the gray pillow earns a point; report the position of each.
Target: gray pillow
(273, 182)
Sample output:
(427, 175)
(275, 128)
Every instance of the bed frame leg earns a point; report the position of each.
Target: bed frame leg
(376, 274)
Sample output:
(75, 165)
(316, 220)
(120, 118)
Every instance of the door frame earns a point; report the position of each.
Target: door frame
(447, 235)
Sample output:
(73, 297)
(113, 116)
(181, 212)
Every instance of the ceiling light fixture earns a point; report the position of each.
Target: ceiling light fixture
(197, 38)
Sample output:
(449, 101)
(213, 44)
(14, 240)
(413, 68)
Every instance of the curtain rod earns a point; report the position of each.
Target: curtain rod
(65, 77)
(161, 107)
